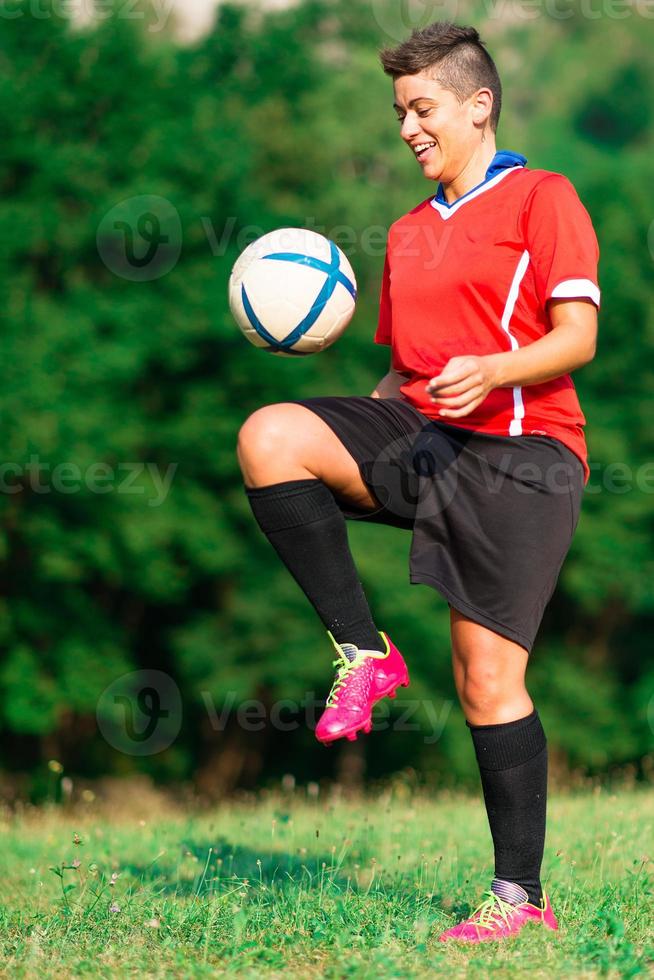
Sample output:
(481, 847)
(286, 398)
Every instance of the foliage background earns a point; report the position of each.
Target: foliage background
(279, 118)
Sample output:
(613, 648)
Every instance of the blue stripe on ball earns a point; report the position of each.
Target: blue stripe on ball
(256, 323)
(319, 264)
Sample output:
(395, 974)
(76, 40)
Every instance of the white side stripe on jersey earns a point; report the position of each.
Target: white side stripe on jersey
(577, 289)
(515, 427)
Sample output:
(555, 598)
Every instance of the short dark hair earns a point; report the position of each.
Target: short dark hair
(458, 56)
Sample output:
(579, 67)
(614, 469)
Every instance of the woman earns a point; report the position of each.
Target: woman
(473, 440)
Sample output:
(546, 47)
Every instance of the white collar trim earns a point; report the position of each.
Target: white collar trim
(447, 212)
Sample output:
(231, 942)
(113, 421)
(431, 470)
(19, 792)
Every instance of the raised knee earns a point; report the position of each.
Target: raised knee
(261, 434)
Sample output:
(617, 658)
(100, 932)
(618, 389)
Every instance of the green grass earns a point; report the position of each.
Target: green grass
(285, 885)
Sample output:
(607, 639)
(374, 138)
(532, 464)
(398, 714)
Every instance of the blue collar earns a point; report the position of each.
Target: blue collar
(503, 160)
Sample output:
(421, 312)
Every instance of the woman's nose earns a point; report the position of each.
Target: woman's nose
(410, 128)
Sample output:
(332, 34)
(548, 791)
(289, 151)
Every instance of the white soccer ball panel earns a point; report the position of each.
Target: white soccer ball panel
(339, 324)
(346, 268)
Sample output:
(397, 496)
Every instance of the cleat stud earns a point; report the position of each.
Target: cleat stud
(352, 738)
(393, 694)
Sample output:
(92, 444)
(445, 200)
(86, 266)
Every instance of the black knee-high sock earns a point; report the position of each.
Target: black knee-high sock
(513, 765)
(304, 524)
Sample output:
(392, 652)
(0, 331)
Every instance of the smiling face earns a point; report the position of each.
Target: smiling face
(444, 134)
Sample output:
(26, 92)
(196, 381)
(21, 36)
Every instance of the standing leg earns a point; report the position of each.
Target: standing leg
(510, 745)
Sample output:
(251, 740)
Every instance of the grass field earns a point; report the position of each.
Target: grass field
(289, 885)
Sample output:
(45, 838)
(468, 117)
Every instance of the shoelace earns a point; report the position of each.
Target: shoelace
(345, 668)
(493, 911)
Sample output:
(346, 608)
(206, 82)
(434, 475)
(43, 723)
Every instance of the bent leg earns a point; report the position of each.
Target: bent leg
(511, 750)
(294, 466)
(286, 442)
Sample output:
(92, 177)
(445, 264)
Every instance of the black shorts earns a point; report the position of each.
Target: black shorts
(492, 517)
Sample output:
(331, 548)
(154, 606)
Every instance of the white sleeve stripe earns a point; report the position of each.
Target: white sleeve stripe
(576, 288)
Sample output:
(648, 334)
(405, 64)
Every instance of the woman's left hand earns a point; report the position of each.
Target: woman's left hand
(462, 385)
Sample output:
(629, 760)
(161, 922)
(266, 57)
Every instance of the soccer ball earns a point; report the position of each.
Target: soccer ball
(292, 292)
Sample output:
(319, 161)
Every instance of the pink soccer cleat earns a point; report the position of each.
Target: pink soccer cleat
(497, 919)
(363, 677)
(391, 671)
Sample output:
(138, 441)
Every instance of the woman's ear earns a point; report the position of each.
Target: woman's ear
(482, 106)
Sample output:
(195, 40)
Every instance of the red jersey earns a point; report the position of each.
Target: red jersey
(474, 277)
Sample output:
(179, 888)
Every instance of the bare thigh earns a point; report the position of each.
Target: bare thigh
(284, 442)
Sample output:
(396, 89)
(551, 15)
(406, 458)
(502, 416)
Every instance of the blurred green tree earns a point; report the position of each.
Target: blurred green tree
(273, 119)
